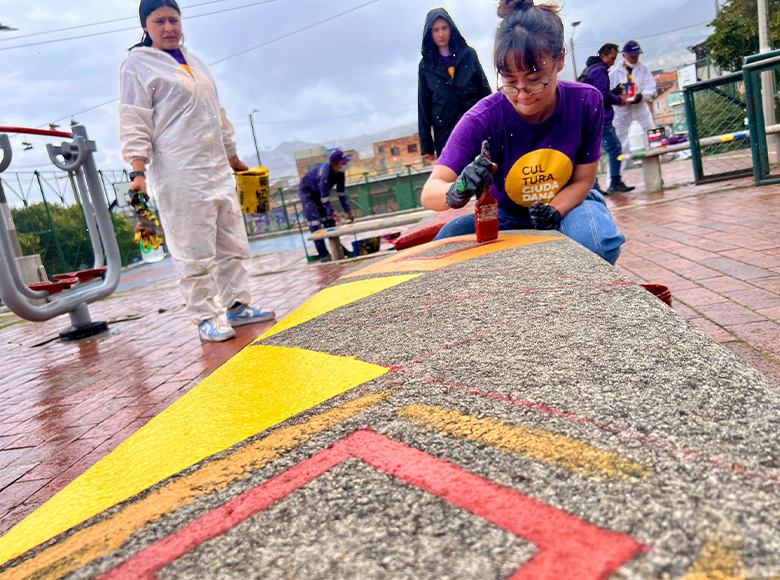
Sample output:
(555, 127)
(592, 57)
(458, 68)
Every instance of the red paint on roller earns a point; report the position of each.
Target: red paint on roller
(568, 547)
(486, 212)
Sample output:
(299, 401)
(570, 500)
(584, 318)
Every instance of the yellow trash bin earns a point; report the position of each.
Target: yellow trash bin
(254, 191)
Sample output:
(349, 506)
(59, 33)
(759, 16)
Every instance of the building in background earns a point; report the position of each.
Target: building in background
(393, 155)
(308, 159)
(663, 115)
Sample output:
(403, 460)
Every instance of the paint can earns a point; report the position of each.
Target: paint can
(660, 291)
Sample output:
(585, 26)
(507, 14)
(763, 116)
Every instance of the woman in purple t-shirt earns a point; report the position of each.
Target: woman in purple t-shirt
(544, 137)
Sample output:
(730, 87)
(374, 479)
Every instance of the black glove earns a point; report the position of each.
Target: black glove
(544, 216)
(638, 98)
(472, 180)
(618, 90)
(328, 223)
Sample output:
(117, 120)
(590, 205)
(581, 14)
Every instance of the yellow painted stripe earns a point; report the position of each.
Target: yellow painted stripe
(727, 138)
(106, 535)
(257, 389)
(538, 444)
(719, 560)
(405, 261)
(335, 297)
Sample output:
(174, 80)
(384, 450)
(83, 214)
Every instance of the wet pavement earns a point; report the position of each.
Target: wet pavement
(66, 406)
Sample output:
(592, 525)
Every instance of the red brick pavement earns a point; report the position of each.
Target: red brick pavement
(65, 406)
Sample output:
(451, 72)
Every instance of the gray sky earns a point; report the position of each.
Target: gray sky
(354, 64)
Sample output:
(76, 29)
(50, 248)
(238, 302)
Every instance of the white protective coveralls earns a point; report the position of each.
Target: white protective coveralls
(173, 119)
(639, 112)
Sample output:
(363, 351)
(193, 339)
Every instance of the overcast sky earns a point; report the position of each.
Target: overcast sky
(348, 67)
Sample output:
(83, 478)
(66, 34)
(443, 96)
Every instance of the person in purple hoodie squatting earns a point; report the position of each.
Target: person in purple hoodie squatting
(314, 193)
(544, 136)
(596, 74)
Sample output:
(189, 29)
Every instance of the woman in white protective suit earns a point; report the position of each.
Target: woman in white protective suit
(630, 70)
(170, 118)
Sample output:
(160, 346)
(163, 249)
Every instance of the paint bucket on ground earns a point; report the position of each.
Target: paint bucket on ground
(660, 291)
(367, 246)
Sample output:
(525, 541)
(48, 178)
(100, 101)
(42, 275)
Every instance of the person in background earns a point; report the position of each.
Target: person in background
(597, 74)
(170, 119)
(630, 70)
(314, 193)
(544, 136)
(451, 81)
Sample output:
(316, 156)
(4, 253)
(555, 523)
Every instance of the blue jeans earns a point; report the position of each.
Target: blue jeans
(589, 224)
(612, 146)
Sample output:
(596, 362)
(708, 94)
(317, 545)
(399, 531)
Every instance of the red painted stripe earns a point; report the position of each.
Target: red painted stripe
(568, 546)
(146, 564)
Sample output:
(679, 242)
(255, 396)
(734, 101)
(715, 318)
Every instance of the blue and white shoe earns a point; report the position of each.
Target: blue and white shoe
(214, 331)
(247, 315)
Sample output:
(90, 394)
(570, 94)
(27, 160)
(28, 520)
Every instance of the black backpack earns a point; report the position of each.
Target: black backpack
(583, 78)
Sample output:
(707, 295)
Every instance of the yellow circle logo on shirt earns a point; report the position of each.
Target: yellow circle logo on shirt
(538, 176)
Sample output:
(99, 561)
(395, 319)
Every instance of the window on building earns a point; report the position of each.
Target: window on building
(380, 149)
(412, 148)
(658, 106)
(395, 151)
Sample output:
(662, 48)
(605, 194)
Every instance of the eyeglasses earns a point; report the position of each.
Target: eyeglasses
(533, 88)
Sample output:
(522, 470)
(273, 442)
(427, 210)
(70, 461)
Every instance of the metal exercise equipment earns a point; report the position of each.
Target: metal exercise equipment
(74, 156)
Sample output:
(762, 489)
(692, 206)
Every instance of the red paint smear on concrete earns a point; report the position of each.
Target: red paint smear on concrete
(568, 547)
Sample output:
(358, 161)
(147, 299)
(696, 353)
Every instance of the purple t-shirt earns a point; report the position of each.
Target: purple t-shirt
(535, 160)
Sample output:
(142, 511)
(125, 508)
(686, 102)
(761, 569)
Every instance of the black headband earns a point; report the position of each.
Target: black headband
(149, 6)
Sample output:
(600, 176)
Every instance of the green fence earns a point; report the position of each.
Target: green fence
(49, 218)
(754, 68)
(713, 108)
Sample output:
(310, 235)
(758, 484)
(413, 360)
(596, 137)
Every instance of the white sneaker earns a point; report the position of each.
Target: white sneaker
(213, 331)
(247, 315)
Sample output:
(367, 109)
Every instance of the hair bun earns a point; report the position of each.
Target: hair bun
(506, 7)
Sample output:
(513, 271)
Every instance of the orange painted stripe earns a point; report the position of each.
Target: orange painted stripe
(408, 260)
(109, 534)
(539, 444)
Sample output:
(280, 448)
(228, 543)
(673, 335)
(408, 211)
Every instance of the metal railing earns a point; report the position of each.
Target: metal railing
(713, 108)
(49, 219)
(755, 72)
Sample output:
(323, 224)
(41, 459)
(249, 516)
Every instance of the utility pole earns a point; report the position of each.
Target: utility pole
(574, 26)
(254, 137)
(768, 77)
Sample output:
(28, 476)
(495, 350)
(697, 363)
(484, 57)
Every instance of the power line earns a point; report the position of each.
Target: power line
(653, 35)
(18, 36)
(55, 40)
(294, 32)
(238, 53)
(339, 117)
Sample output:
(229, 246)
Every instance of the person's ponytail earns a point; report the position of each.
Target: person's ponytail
(506, 7)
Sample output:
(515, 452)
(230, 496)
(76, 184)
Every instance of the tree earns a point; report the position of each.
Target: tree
(736, 32)
(70, 239)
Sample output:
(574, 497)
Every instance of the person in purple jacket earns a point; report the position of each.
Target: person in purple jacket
(596, 74)
(314, 193)
(544, 137)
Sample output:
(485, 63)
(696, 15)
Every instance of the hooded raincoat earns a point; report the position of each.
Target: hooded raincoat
(443, 100)
(172, 118)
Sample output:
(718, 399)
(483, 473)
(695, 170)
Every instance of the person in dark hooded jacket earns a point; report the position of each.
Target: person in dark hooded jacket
(451, 81)
(596, 74)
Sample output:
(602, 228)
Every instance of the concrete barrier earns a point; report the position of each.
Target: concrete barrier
(516, 409)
